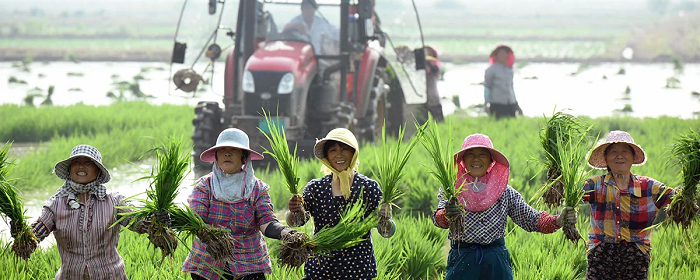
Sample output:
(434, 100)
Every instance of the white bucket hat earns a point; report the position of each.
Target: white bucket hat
(230, 137)
(62, 168)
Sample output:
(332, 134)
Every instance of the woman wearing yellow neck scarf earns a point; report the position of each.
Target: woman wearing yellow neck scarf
(325, 198)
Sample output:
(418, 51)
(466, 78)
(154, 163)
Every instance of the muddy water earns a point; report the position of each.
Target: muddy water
(539, 87)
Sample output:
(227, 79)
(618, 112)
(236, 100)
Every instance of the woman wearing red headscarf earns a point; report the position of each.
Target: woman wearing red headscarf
(479, 252)
(499, 95)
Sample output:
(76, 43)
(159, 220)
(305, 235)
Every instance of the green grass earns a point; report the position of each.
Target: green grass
(122, 132)
(118, 131)
(106, 44)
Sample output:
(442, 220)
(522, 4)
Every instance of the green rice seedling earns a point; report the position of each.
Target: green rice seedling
(572, 156)
(288, 163)
(219, 241)
(12, 207)
(355, 222)
(443, 169)
(686, 152)
(172, 165)
(560, 127)
(391, 161)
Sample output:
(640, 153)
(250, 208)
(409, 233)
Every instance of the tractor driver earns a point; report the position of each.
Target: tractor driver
(323, 36)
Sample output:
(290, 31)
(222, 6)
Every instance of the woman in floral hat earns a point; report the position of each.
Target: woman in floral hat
(623, 205)
(499, 93)
(480, 252)
(232, 197)
(325, 198)
(81, 214)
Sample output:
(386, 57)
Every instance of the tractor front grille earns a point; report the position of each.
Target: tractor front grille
(266, 83)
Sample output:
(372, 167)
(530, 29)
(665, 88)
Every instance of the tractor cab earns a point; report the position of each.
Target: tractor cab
(311, 65)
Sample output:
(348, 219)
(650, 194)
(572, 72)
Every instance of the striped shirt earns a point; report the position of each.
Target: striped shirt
(619, 215)
(486, 226)
(244, 219)
(356, 262)
(85, 242)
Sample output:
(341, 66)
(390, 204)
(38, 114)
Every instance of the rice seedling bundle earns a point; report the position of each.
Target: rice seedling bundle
(686, 152)
(354, 224)
(389, 171)
(572, 156)
(12, 207)
(288, 163)
(219, 242)
(560, 127)
(172, 165)
(443, 170)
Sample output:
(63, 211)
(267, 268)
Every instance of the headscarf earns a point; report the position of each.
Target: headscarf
(511, 56)
(344, 136)
(233, 187)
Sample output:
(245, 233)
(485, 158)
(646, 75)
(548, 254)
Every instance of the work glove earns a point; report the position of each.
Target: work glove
(296, 204)
(163, 217)
(452, 210)
(567, 215)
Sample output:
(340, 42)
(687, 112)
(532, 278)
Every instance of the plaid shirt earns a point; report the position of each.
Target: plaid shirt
(244, 219)
(621, 215)
(486, 226)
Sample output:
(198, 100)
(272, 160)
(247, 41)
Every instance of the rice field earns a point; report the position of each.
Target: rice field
(417, 251)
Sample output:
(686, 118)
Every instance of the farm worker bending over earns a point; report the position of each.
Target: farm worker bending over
(622, 206)
(80, 215)
(323, 36)
(479, 252)
(232, 197)
(499, 94)
(325, 198)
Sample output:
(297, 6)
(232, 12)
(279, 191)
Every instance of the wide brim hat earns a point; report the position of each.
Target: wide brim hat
(596, 159)
(511, 56)
(341, 135)
(62, 168)
(230, 137)
(480, 141)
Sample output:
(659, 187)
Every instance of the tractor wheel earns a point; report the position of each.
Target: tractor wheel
(207, 126)
(370, 126)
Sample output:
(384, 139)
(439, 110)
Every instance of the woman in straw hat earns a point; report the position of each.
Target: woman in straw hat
(232, 197)
(325, 198)
(80, 215)
(499, 93)
(480, 252)
(623, 205)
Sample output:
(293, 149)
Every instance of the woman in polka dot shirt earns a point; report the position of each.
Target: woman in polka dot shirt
(325, 198)
(480, 251)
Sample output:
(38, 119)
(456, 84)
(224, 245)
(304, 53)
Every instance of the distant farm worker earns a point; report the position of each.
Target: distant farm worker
(81, 214)
(325, 198)
(479, 252)
(623, 206)
(317, 30)
(434, 70)
(499, 94)
(232, 197)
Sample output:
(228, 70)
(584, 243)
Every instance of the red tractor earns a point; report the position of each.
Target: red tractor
(308, 83)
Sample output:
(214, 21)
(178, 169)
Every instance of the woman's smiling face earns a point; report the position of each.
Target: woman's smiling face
(83, 170)
(339, 155)
(477, 161)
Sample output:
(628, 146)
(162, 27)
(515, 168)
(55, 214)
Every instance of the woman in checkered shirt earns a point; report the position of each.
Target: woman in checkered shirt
(623, 205)
(480, 252)
(80, 215)
(232, 197)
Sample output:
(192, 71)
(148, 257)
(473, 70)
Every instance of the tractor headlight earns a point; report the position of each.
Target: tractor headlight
(248, 82)
(286, 84)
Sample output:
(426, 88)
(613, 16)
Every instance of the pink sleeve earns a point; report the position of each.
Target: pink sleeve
(547, 223)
